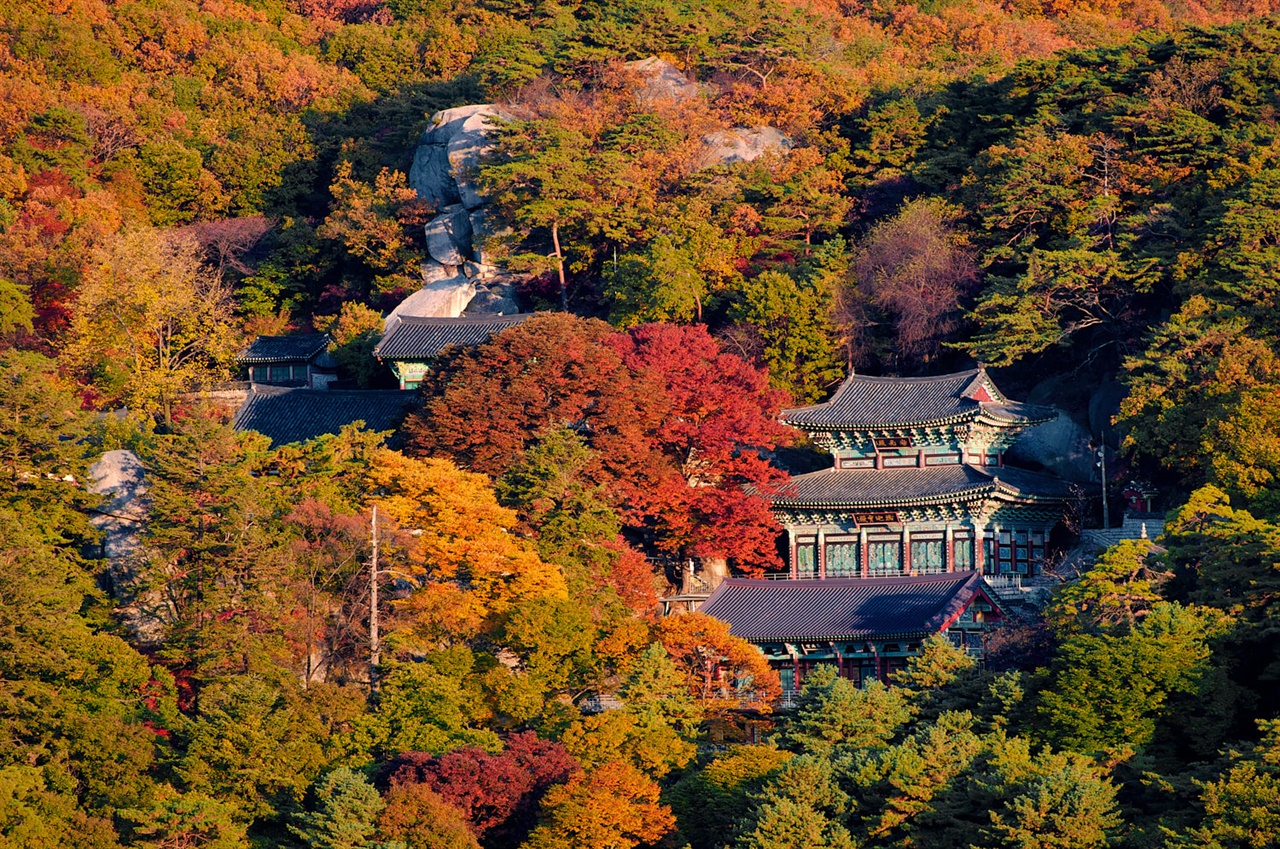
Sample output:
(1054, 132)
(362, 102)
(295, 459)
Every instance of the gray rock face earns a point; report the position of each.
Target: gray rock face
(449, 236)
(440, 299)
(662, 81)
(495, 296)
(433, 271)
(443, 173)
(432, 174)
(120, 478)
(1061, 446)
(741, 144)
(466, 147)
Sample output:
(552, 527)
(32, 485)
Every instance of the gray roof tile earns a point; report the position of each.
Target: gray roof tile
(418, 338)
(278, 349)
(866, 401)
(842, 608)
(930, 484)
(298, 415)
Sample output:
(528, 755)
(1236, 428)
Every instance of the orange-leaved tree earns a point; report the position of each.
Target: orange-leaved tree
(456, 540)
(614, 806)
(722, 671)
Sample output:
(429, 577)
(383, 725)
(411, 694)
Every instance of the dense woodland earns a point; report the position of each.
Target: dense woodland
(1080, 194)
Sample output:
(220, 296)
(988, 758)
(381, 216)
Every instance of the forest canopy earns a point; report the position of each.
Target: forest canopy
(1085, 196)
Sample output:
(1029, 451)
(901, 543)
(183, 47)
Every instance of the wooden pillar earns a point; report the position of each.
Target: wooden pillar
(907, 565)
(948, 551)
(863, 554)
(791, 551)
(821, 561)
(980, 547)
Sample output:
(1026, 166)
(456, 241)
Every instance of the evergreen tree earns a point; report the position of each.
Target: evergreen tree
(345, 813)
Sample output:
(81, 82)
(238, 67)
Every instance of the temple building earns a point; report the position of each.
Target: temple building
(903, 537)
(918, 484)
(867, 628)
(412, 342)
(300, 359)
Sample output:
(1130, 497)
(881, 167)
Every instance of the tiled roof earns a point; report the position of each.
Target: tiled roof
(865, 401)
(418, 338)
(281, 349)
(297, 415)
(842, 608)
(930, 484)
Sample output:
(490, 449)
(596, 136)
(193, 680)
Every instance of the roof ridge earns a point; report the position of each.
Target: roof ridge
(970, 373)
(476, 318)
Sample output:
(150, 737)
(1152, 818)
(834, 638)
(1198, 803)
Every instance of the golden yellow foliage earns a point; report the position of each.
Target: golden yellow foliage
(460, 542)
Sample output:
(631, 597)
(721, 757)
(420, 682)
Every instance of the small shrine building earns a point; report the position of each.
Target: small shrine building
(411, 343)
(918, 484)
(300, 359)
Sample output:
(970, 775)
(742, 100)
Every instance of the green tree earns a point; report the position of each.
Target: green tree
(374, 223)
(1242, 806)
(43, 448)
(355, 331)
(16, 312)
(710, 803)
(834, 714)
(345, 812)
(190, 819)
(1116, 591)
(802, 806)
(1066, 804)
(790, 318)
(1106, 692)
(542, 179)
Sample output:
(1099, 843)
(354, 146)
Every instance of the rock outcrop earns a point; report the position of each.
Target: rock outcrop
(456, 276)
(449, 236)
(741, 144)
(459, 276)
(119, 477)
(444, 165)
(662, 81)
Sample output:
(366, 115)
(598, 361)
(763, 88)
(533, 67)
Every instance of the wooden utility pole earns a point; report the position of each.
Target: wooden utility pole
(1102, 456)
(375, 647)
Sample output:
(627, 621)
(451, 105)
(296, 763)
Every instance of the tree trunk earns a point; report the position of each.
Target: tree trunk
(564, 289)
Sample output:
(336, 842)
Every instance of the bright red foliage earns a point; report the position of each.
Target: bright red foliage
(499, 794)
(677, 426)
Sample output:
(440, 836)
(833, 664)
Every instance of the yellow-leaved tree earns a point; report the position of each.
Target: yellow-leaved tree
(151, 321)
(458, 542)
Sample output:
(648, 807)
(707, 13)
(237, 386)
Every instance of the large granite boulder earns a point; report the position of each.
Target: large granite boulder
(661, 81)
(439, 299)
(466, 146)
(741, 144)
(431, 175)
(1059, 446)
(433, 271)
(119, 477)
(449, 236)
(444, 165)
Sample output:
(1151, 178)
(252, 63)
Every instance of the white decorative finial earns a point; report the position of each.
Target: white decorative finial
(1144, 530)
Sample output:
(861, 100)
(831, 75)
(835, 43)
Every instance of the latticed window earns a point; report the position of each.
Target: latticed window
(926, 557)
(964, 554)
(884, 559)
(842, 560)
(806, 560)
